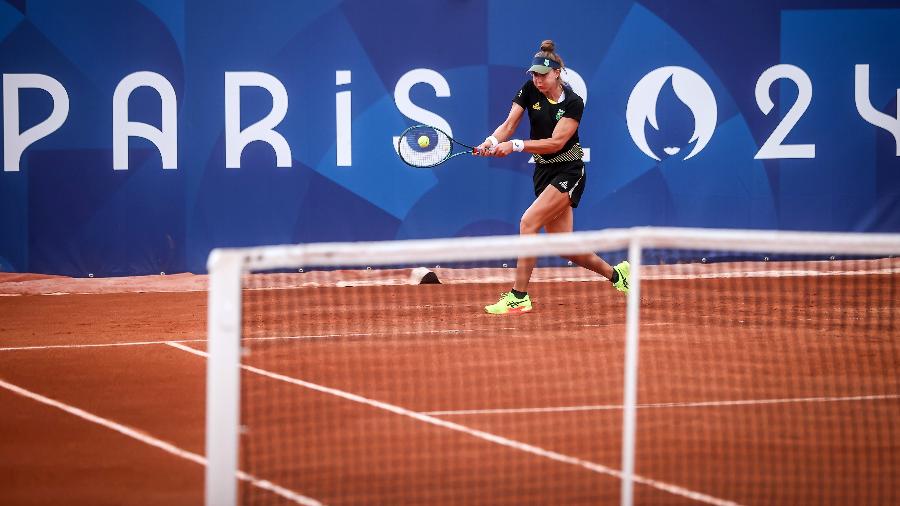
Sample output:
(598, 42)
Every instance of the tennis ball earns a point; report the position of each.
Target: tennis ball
(424, 141)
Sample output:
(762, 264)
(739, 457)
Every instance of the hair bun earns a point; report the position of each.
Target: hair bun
(548, 46)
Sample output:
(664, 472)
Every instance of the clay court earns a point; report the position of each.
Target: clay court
(779, 389)
(276, 252)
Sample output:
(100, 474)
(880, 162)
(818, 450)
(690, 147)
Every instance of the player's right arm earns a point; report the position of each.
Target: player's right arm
(505, 130)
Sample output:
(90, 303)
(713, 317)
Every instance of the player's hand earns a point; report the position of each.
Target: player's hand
(502, 149)
(483, 149)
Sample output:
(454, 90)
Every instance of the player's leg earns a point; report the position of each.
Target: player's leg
(550, 203)
(590, 261)
(546, 208)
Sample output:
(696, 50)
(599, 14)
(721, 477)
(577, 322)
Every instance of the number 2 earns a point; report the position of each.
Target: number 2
(773, 147)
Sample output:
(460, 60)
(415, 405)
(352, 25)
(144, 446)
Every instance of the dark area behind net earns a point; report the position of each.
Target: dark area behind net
(760, 382)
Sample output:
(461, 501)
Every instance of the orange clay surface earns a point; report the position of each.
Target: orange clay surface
(805, 371)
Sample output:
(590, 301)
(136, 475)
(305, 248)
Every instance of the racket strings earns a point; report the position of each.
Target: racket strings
(424, 146)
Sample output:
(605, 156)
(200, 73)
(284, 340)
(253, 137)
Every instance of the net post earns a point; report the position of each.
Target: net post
(629, 402)
(223, 377)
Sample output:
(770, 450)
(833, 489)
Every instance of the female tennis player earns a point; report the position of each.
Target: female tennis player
(554, 111)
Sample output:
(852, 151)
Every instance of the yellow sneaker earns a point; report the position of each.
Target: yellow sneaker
(623, 268)
(509, 303)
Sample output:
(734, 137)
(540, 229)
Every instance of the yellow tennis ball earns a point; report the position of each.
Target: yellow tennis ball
(424, 141)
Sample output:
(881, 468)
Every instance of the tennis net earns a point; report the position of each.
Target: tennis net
(743, 367)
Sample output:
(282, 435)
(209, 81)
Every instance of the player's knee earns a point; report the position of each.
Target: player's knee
(528, 225)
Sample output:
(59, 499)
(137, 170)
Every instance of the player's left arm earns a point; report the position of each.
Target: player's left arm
(562, 132)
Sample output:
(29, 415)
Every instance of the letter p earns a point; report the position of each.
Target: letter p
(15, 142)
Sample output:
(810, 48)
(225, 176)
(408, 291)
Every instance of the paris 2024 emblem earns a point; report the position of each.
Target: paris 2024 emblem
(690, 89)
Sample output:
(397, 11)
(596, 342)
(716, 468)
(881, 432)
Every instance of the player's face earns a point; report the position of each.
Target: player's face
(545, 82)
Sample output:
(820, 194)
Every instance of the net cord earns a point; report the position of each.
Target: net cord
(423, 251)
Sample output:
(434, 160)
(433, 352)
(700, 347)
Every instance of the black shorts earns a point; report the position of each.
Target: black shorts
(567, 178)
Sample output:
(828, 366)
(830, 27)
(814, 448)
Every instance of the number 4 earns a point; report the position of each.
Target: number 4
(869, 112)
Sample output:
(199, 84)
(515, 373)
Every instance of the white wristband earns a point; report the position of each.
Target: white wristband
(518, 145)
(493, 140)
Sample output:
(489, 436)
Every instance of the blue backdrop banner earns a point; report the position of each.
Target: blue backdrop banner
(140, 134)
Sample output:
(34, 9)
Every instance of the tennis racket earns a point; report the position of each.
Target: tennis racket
(426, 146)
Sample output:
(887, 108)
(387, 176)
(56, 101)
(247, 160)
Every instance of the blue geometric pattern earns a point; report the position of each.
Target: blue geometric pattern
(66, 211)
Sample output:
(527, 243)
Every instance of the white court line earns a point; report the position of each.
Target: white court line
(271, 338)
(487, 436)
(770, 274)
(301, 337)
(285, 338)
(157, 443)
(96, 345)
(500, 279)
(618, 407)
